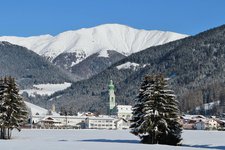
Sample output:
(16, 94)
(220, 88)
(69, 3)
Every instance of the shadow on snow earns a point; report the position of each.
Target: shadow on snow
(137, 142)
(205, 146)
(111, 141)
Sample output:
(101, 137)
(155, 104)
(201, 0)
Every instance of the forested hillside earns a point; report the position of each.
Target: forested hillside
(29, 68)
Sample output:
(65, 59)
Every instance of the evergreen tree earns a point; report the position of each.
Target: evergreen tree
(2, 108)
(13, 108)
(137, 117)
(155, 113)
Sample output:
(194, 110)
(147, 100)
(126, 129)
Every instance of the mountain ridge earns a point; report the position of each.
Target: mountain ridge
(95, 39)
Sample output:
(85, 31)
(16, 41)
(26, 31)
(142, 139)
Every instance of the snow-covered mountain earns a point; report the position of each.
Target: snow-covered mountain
(88, 41)
(99, 46)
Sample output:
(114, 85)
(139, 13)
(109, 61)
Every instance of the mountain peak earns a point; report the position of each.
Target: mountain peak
(5, 43)
(108, 25)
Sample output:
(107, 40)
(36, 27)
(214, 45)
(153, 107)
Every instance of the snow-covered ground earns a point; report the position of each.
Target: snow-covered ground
(46, 89)
(105, 140)
(128, 65)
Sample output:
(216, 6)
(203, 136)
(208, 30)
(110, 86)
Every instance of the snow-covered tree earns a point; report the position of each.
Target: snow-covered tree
(2, 108)
(13, 109)
(137, 117)
(155, 113)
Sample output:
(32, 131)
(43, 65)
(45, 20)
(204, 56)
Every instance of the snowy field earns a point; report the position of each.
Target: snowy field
(46, 89)
(105, 140)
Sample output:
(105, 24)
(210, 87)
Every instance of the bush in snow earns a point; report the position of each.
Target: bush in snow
(155, 113)
(13, 110)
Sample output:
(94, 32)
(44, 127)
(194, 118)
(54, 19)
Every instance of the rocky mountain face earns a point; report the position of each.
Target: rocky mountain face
(194, 64)
(69, 48)
(92, 65)
(95, 64)
(29, 68)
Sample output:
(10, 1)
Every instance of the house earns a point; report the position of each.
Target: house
(221, 124)
(212, 124)
(48, 122)
(189, 124)
(200, 125)
(122, 123)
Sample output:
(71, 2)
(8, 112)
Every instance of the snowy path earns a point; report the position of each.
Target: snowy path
(105, 140)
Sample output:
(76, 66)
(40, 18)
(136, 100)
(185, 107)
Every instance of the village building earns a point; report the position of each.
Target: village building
(101, 122)
(191, 122)
(122, 123)
(221, 125)
(121, 111)
(200, 125)
(124, 111)
(212, 124)
(112, 98)
(48, 122)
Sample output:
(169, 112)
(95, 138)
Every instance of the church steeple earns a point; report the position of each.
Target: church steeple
(112, 100)
(111, 86)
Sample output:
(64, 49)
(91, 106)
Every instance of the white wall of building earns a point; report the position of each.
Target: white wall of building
(100, 123)
(124, 111)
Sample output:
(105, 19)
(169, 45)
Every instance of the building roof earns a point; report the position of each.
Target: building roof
(189, 117)
(102, 117)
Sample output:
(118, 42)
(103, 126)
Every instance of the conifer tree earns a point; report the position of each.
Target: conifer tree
(2, 108)
(155, 113)
(137, 117)
(13, 108)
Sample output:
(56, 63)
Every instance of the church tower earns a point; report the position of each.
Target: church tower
(53, 108)
(112, 100)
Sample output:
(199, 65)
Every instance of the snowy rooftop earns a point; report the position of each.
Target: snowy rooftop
(101, 117)
(188, 117)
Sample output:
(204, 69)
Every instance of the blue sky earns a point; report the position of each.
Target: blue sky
(36, 17)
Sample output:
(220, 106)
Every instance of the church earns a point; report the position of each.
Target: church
(121, 111)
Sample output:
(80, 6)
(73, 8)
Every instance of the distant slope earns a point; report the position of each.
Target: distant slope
(27, 67)
(195, 64)
(36, 109)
